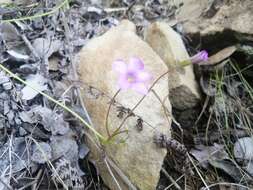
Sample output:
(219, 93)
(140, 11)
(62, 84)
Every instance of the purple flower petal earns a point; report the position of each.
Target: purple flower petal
(132, 75)
(199, 57)
(123, 83)
(119, 66)
(140, 87)
(143, 76)
(204, 55)
(135, 65)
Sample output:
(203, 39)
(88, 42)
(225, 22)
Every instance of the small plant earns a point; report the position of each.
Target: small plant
(196, 59)
(131, 76)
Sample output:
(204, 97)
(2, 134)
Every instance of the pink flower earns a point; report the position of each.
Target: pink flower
(199, 57)
(132, 75)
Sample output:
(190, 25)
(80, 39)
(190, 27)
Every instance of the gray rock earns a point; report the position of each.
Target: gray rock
(209, 17)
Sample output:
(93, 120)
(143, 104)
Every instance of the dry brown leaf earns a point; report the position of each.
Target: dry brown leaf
(220, 56)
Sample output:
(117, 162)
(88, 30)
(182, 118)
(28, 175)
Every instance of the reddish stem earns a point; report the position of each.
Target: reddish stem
(116, 132)
(107, 114)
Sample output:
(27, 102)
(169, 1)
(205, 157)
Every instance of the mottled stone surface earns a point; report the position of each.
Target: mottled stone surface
(209, 17)
(184, 93)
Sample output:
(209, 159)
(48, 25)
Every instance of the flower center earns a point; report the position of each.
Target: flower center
(131, 78)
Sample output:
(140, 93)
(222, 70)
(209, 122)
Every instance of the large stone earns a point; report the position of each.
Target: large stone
(184, 93)
(209, 17)
(138, 158)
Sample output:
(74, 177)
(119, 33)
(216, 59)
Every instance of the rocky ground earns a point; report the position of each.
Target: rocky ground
(60, 101)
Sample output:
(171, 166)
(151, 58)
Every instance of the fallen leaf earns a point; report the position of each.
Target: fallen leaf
(4, 178)
(64, 146)
(45, 47)
(83, 151)
(249, 167)
(50, 120)
(41, 153)
(36, 81)
(25, 117)
(9, 32)
(19, 154)
(17, 55)
(243, 148)
(69, 173)
(220, 56)
(230, 168)
(206, 153)
(208, 86)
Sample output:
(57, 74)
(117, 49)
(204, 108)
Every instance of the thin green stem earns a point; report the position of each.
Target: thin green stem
(55, 101)
(185, 63)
